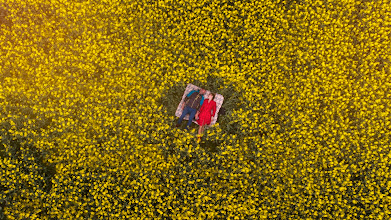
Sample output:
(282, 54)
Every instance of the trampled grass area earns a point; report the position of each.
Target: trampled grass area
(88, 92)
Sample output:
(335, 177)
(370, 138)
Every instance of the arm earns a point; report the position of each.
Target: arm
(201, 103)
(214, 109)
(188, 95)
(202, 107)
(191, 92)
(202, 100)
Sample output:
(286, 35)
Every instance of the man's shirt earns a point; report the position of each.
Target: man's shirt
(202, 98)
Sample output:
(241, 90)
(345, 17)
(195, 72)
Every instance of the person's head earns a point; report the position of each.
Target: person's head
(202, 91)
(211, 96)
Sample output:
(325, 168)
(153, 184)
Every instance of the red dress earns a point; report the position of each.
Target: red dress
(205, 112)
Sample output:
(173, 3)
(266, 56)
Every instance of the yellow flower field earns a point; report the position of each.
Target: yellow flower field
(88, 92)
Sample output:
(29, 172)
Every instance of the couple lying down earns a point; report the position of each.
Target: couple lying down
(203, 109)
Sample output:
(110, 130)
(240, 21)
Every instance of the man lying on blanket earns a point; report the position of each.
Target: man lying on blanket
(193, 102)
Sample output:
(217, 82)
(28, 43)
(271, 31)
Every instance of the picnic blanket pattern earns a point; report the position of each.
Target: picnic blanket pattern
(219, 99)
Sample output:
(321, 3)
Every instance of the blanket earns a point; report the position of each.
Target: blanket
(218, 99)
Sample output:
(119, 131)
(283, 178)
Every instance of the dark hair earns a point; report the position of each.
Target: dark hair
(213, 95)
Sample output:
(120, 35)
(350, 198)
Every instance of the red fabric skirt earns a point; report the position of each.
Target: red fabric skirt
(204, 118)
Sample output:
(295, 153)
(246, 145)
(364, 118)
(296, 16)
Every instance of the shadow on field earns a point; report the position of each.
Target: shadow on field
(211, 145)
(29, 161)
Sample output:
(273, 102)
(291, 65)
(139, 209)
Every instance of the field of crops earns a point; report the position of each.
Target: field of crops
(89, 89)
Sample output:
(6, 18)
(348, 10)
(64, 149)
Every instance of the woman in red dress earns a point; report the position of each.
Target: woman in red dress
(207, 111)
